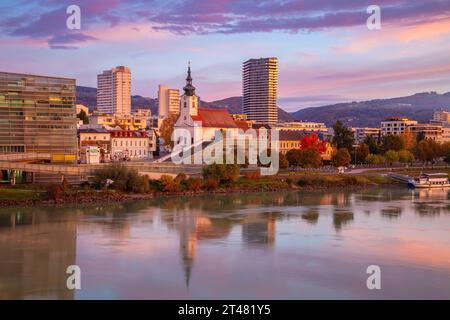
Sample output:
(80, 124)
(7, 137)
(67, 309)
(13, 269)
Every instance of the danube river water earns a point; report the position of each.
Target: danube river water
(284, 245)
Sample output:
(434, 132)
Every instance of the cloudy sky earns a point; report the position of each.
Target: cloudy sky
(326, 52)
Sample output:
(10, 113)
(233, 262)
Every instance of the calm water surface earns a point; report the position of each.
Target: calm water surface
(287, 245)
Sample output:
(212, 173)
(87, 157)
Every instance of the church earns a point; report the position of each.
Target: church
(201, 121)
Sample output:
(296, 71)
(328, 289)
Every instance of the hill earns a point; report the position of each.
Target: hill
(419, 107)
(88, 97)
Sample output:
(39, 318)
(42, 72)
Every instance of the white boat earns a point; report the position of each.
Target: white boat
(430, 180)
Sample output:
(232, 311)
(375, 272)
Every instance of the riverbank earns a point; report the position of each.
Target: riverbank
(30, 195)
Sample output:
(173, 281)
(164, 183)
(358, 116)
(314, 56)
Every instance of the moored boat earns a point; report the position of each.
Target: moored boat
(430, 180)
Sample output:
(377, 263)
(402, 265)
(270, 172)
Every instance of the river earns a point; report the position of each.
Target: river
(283, 245)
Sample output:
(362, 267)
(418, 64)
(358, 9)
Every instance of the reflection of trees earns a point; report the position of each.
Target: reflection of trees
(341, 218)
(311, 216)
(426, 210)
(391, 212)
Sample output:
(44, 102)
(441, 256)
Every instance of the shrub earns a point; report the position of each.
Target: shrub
(194, 184)
(211, 183)
(252, 175)
(375, 159)
(124, 179)
(223, 173)
(169, 184)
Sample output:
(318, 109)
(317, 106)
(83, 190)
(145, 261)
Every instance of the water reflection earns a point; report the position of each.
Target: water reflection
(228, 242)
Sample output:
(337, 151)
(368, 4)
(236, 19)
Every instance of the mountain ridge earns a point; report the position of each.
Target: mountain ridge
(88, 96)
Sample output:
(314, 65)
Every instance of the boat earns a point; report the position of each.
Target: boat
(430, 180)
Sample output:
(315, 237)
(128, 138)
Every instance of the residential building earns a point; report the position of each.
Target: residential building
(168, 101)
(301, 126)
(38, 114)
(429, 131)
(239, 116)
(289, 139)
(138, 121)
(94, 137)
(362, 133)
(129, 145)
(395, 125)
(441, 116)
(114, 91)
(260, 85)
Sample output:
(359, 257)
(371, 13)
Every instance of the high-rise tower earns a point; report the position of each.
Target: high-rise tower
(260, 82)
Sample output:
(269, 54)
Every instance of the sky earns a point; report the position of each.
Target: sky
(326, 52)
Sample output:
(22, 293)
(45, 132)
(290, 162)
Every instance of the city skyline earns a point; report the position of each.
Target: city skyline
(326, 53)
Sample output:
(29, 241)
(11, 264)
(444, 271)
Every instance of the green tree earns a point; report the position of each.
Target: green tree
(405, 156)
(392, 142)
(343, 136)
(84, 117)
(341, 158)
(310, 158)
(391, 156)
(375, 159)
(372, 143)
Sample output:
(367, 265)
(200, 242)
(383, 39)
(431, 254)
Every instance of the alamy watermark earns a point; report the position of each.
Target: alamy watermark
(374, 20)
(73, 21)
(74, 280)
(374, 280)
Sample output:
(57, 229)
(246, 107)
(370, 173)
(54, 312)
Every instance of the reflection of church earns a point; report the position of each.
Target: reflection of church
(194, 225)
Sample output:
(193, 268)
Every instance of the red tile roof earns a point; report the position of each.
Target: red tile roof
(215, 118)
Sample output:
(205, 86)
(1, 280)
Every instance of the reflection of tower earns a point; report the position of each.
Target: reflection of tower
(259, 230)
(188, 242)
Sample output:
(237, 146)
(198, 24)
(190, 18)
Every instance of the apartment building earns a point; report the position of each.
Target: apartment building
(361, 134)
(395, 125)
(168, 101)
(260, 85)
(114, 91)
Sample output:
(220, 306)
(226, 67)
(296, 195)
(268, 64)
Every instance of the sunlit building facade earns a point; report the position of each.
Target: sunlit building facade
(37, 114)
(260, 85)
(114, 91)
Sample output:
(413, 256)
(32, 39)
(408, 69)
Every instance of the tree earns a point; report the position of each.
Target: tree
(310, 158)
(428, 150)
(362, 152)
(391, 156)
(166, 129)
(343, 137)
(84, 117)
(392, 142)
(372, 143)
(312, 142)
(341, 158)
(293, 157)
(408, 139)
(405, 156)
(375, 159)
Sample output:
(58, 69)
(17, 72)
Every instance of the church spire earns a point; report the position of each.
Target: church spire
(189, 89)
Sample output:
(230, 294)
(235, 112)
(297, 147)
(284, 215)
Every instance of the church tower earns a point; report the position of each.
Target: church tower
(189, 101)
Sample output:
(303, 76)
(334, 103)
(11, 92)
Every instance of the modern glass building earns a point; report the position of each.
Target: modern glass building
(37, 114)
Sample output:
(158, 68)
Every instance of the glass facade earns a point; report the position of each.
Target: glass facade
(37, 114)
